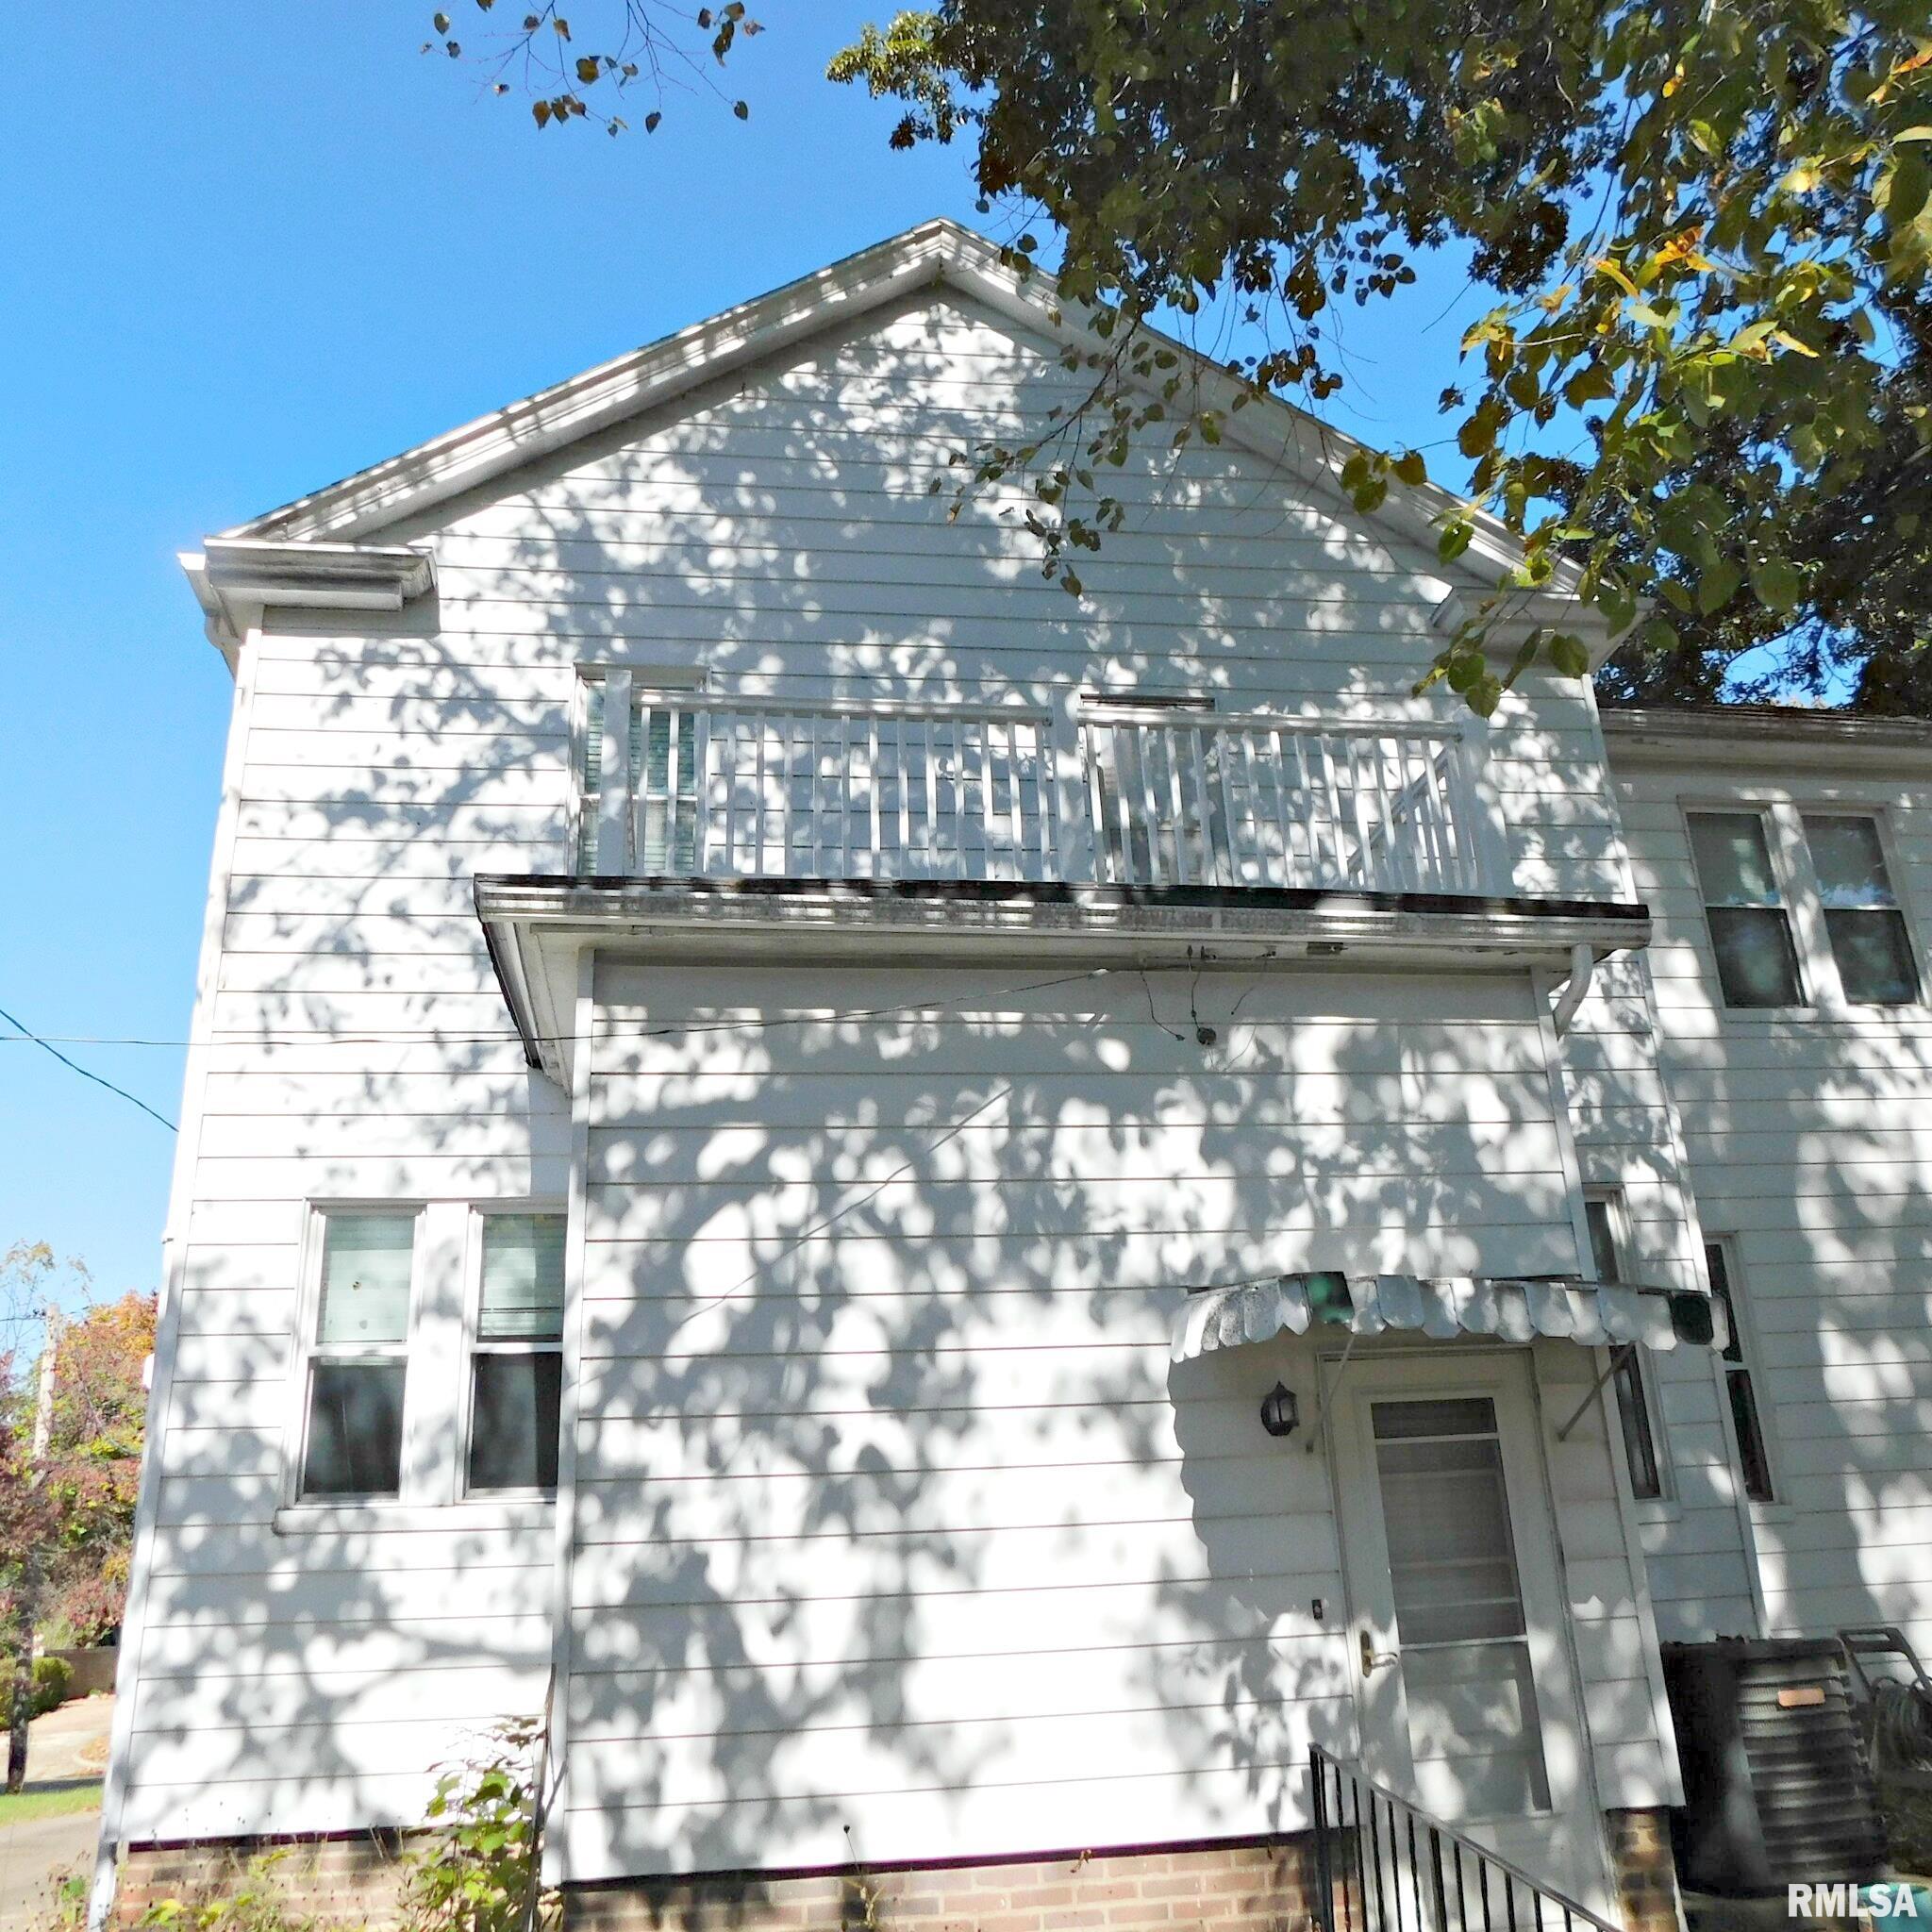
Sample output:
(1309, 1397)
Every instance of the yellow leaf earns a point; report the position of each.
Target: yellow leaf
(1790, 342)
(1605, 266)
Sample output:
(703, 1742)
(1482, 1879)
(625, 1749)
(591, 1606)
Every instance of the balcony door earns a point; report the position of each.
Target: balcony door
(1467, 1701)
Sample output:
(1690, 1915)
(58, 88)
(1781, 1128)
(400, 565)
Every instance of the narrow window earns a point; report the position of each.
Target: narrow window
(590, 784)
(1753, 1452)
(353, 1442)
(516, 1372)
(1633, 1398)
(1862, 915)
(591, 781)
(1750, 927)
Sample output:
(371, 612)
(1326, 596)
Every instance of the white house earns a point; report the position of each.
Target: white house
(772, 1093)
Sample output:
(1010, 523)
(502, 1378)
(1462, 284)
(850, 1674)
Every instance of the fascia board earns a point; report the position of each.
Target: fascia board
(939, 251)
(489, 447)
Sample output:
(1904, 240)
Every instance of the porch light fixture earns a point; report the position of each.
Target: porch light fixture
(1279, 1410)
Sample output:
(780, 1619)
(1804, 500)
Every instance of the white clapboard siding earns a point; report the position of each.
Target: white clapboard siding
(915, 1432)
(986, 1329)
(1809, 1141)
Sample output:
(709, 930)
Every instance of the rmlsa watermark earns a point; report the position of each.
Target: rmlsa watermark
(1851, 1902)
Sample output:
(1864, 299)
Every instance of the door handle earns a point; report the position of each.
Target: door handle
(1372, 1657)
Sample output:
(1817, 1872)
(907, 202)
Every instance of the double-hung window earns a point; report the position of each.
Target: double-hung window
(1801, 910)
(352, 1438)
(1747, 1423)
(516, 1363)
(1603, 1209)
(1863, 920)
(1745, 908)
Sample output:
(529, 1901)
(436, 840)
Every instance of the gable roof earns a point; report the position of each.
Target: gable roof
(937, 253)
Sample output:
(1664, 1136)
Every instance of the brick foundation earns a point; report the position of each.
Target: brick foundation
(355, 1879)
(1254, 1886)
(1645, 1873)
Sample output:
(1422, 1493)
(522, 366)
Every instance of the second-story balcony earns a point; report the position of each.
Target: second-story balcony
(1113, 836)
(711, 788)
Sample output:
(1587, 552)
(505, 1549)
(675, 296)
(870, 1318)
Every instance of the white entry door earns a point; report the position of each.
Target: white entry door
(1468, 1704)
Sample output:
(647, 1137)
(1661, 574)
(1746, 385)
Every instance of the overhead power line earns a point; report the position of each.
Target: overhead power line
(27, 1033)
(429, 1035)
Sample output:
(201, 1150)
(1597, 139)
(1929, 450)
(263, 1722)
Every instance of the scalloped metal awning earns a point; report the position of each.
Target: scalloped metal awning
(1511, 1308)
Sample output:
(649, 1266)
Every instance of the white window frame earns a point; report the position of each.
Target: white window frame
(309, 1350)
(1880, 821)
(475, 1345)
(1782, 816)
(1618, 1209)
(612, 835)
(1751, 1364)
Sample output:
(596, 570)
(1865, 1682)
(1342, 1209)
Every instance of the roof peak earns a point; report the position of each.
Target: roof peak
(936, 251)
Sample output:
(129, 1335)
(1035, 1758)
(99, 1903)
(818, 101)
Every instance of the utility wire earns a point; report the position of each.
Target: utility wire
(427, 1036)
(27, 1034)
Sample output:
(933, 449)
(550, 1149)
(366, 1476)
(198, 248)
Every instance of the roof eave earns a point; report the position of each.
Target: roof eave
(235, 579)
(478, 452)
(1757, 734)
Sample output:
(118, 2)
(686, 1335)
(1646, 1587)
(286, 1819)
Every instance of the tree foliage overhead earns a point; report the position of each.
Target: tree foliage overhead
(1706, 224)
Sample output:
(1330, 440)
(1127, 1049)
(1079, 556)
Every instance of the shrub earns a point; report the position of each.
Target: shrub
(248, 1898)
(52, 1675)
(474, 1872)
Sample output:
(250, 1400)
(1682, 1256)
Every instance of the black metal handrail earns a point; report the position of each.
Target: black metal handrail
(1383, 1866)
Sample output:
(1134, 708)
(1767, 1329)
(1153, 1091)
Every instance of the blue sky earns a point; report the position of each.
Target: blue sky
(245, 251)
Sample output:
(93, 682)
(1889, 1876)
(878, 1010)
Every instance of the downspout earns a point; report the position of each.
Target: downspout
(1582, 971)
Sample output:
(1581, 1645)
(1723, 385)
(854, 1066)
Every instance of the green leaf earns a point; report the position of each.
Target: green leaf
(1778, 585)
(1569, 655)
(1411, 468)
(1717, 585)
(1456, 538)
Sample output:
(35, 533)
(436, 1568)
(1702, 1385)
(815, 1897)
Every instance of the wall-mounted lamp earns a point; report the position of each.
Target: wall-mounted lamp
(1279, 1411)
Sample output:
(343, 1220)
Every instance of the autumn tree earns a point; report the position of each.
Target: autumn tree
(72, 1407)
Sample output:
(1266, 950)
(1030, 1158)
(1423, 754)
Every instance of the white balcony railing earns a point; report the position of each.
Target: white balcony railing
(1198, 800)
(752, 788)
(718, 787)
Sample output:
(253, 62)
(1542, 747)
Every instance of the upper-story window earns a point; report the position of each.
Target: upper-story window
(1801, 909)
(1863, 919)
(1744, 907)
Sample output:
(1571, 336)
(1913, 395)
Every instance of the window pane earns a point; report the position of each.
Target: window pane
(365, 1278)
(1633, 1411)
(355, 1429)
(1603, 1241)
(1874, 956)
(1849, 861)
(1757, 965)
(513, 1421)
(523, 1277)
(1465, 1415)
(1720, 1293)
(1751, 1450)
(594, 738)
(1733, 860)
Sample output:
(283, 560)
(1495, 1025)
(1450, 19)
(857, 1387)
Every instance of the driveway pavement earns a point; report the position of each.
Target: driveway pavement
(66, 1750)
